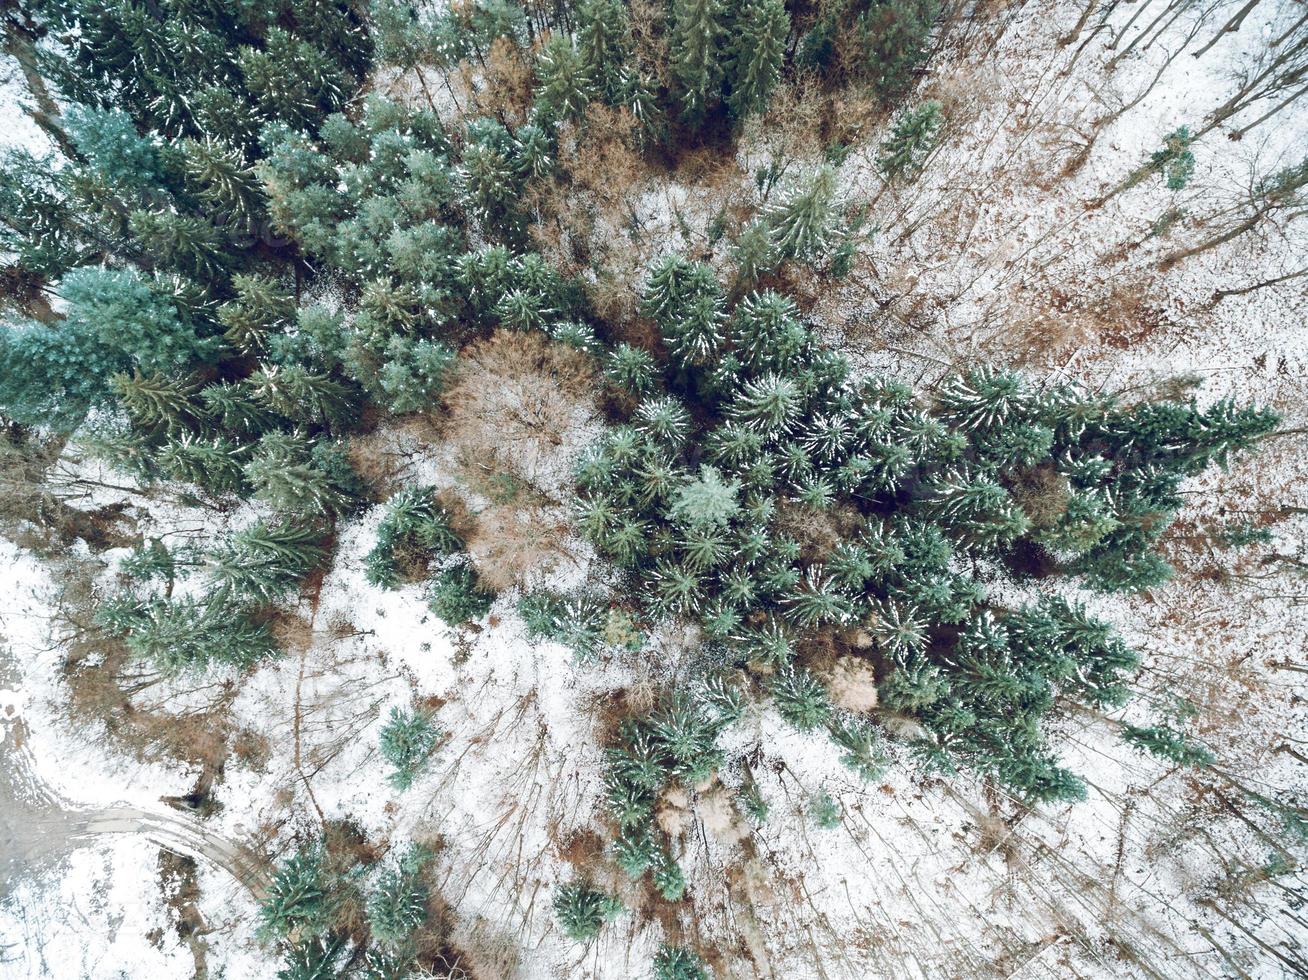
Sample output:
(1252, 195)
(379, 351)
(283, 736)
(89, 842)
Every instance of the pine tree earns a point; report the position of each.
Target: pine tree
(261, 564)
(1169, 744)
(298, 900)
(582, 910)
(187, 634)
(225, 185)
(753, 252)
(631, 369)
(801, 699)
(983, 399)
(669, 880)
(457, 597)
(758, 46)
(803, 222)
(679, 963)
(693, 330)
(767, 404)
(817, 601)
(397, 907)
(317, 958)
(635, 851)
(708, 501)
(824, 810)
(863, 750)
(698, 35)
(413, 532)
(889, 43)
(766, 332)
(663, 419)
(687, 734)
(898, 630)
(298, 477)
(564, 86)
(603, 34)
(154, 401)
(261, 308)
(915, 134)
(181, 242)
(406, 741)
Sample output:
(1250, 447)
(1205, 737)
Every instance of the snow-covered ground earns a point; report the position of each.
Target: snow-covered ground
(993, 255)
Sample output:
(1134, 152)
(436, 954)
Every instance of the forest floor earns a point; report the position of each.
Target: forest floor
(996, 254)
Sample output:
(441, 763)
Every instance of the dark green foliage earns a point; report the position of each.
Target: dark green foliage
(185, 633)
(456, 596)
(801, 700)
(878, 43)
(699, 35)
(564, 84)
(668, 879)
(397, 906)
(299, 477)
(299, 899)
(413, 533)
(686, 496)
(824, 810)
(261, 564)
(406, 741)
(914, 135)
(582, 910)
(678, 963)
(757, 46)
(317, 958)
(1174, 160)
(117, 321)
(1168, 743)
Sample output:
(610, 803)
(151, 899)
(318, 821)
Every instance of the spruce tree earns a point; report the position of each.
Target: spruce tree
(564, 85)
(582, 910)
(406, 741)
(261, 564)
(603, 30)
(678, 963)
(802, 222)
(457, 597)
(298, 899)
(757, 48)
(699, 29)
(397, 906)
(912, 138)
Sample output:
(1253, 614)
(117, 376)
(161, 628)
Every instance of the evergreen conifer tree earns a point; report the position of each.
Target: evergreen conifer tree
(802, 222)
(912, 138)
(759, 32)
(564, 86)
(457, 597)
(298, 900)
(397, 906)
(699, 29)
(582, 910)
(406, 741)
(260, 564)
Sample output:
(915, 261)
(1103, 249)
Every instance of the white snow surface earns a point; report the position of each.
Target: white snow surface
(922, 878)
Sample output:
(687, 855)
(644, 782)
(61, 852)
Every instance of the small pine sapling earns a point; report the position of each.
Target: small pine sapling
(824, 810)
(456, 595)
(397, 906)
(912, 138)
(582, 910)
(678, 963)
(406, 742)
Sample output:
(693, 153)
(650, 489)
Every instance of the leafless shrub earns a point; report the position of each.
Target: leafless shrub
(516, 401)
